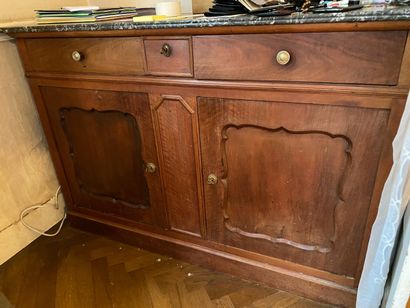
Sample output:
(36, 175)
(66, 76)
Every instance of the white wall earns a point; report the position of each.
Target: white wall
(26, 172)
(186, 5)
(198, 6)
(24, 9)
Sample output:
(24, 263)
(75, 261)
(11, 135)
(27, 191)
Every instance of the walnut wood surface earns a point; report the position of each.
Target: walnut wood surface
(177, 64)
(315, 57)
(105, 139)
(295, 181)
(404, 79)
(120, 56)
(175, 120)
(324, 149)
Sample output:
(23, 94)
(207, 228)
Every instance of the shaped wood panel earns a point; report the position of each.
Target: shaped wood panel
(105, 140)
(294, 180)
(292, 167)
(176, 126)
(98, 170)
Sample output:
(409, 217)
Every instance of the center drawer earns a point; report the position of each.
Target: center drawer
(117, 56)
(349, 57)
(168, 56)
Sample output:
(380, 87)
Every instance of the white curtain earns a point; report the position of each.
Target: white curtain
(394, 200)
(399, 288)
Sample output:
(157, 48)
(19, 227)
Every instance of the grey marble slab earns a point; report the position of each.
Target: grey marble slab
(376, 13)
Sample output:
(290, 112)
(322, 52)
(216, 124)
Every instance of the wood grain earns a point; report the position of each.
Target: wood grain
(107, 173)
(177, 64)
(274, 276)
(120, 56)
(293, 181)
(301, 160)
(315, 57)
(175, 120)
(98, 272)
(404, 79)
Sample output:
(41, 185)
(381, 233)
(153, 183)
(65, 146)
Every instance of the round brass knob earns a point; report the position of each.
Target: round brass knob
(76, 56)
(166, 50)
(283, 57)
(212, 179)
(150, 168)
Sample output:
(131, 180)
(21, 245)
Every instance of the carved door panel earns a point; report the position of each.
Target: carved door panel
(292, 181)
(106, 143)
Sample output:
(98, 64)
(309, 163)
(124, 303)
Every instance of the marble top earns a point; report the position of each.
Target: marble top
(369, 14)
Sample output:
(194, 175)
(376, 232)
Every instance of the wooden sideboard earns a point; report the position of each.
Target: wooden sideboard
(260, 151)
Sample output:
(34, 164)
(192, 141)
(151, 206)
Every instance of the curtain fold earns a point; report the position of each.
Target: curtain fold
(394, 200)
(399, 284)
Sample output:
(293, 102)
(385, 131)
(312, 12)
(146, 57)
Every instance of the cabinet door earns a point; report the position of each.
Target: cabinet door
(292, 181)
(106, 143)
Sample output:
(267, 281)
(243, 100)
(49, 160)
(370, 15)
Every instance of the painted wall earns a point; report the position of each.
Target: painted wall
(27, 176)
(186, 5)
(24, 9)
(200, 6)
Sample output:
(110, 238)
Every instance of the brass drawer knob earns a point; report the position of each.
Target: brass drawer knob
(212, 179)
(150, 168)
(166, 50)
(283, 57)
(76, 56)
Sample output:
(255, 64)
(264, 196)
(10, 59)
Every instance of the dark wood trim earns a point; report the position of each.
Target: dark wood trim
(22, 49)
(320, 27)
(386, 161)
(52, 144)
(249, 85)
(288, 265)
(234, 89)
(404, 78)
(194, 244)
(274, 276)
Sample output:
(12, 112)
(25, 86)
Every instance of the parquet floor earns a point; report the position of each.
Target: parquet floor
(81, 270)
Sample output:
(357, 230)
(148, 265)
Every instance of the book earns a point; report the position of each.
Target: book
(90, 14)
(65, 20)
(80, 8)
(258, 6)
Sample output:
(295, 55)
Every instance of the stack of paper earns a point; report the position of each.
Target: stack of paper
(255, 6)
(89, 14)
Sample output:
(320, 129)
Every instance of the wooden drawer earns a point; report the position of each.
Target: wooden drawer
(168, 57)
(119, 56)
(360, 57)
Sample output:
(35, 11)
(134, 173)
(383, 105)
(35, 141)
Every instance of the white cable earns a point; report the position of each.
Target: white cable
(5, 38)
(37, 206)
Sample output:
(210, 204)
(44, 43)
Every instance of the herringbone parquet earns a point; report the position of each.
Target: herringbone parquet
(80, 270)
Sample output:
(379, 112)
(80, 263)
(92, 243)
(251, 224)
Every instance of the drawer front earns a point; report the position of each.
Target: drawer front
(359, 57)
(168, 57)
(119, 56)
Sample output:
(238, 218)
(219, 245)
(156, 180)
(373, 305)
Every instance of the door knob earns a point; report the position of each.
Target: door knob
(212, 179)
(283, 57)
(150, 168)
(76, 56)
(166, 50)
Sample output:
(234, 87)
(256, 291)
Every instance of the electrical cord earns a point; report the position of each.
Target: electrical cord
(40, 205)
